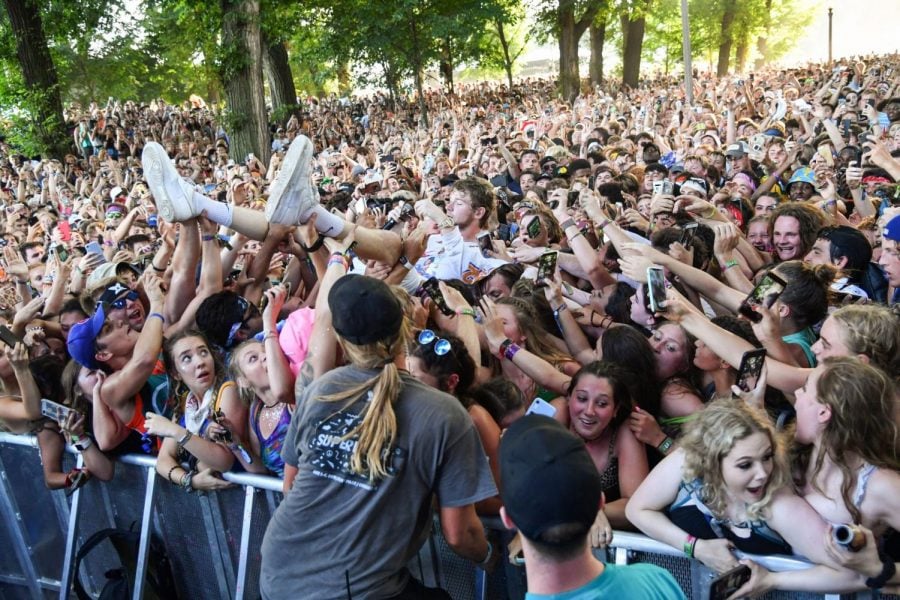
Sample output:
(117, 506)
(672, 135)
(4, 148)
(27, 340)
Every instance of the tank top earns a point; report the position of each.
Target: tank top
(270, 447)
(691, 514)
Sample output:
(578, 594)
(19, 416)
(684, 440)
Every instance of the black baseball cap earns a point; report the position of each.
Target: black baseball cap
(364, 310)
(548, 477)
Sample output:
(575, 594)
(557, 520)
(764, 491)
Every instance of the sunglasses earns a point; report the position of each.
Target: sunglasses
(441, 346)
(119, 303)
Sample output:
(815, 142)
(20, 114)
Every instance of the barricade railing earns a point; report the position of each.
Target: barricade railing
(213, 540)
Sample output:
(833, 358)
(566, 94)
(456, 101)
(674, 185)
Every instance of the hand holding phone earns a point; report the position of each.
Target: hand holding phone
(55, 411)
(764, 294)
(433, 289)
(656, 288)
(541, 407)
(546, 267)
(752, 363)
(729, 582)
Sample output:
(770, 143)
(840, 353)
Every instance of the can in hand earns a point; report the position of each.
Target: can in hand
(849, 536)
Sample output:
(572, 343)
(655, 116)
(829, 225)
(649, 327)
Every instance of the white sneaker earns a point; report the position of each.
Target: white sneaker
(292, 193)
(173, 195)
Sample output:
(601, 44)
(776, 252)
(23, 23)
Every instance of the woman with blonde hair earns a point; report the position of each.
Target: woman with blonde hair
(727, 487)
(369, 448)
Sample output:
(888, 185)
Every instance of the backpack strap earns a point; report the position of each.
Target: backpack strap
(222, 388)
(85, 549)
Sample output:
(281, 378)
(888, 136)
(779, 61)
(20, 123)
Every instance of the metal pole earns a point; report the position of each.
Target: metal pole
(686, 45)
(830, 12)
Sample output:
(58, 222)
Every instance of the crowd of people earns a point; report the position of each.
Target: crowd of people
(366, 313)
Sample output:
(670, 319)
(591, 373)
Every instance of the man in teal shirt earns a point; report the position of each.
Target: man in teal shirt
(551, 494)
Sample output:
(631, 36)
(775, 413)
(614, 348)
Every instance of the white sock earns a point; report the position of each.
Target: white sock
(217, 212)
(327, 224)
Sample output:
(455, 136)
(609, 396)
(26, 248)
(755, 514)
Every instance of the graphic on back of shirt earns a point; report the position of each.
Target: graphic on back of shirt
(332, 449)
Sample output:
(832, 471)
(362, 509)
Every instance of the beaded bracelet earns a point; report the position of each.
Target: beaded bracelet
(169, 475)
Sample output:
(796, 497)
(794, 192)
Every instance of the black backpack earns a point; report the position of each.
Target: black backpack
(160, 583)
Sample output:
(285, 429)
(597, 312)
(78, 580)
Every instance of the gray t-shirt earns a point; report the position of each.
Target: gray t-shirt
(334, 524)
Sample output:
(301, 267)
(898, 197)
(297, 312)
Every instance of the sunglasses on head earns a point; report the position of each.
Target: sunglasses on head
(441, 346)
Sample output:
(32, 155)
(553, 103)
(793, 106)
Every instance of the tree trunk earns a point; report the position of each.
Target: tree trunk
(570, 32)
(727, 38)
(598, 38)
(281, 83)
(742, 52)
(417, 66)
(762, 43)
(343, 75)
(633, 34)
(39, 75)
(446, 64)
(242, 79)
(569, 78)
(504, 44)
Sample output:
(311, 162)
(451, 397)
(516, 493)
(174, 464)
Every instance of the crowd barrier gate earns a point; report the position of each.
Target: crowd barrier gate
(213, 540)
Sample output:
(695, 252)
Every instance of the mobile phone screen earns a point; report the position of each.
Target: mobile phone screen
(764, 294)
(484, 242)
(546, 267)
(8, 337)
(656, 287)
(687, 234)
(534, 227)
(433, 290)
(751, 367)
(729, 583)
(55, 411)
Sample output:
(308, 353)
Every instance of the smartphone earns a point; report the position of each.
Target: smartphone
(687, 234)
(65, 230)
(484, 242)
(55, 411)
(534, 227)
(546, 267)
(541, 407)
(62, 253)
(751, 367)
(93, 248)
(433, 290)
(664, 188)
(765, 294)
(656, 288)
(8, 337)
(728, 583)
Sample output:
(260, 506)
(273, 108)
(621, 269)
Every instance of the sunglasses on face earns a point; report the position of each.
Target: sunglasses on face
(120, 303)
(441, 346)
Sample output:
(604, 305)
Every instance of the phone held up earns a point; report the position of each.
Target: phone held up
(764, 294)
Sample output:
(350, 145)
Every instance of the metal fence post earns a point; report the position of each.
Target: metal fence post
(65, 579)
(249, 497)
(13, 519)
(146, 532)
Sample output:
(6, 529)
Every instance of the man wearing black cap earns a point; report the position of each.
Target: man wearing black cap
(551, 494)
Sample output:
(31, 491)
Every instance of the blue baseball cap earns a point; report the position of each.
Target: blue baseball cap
(82, 341)
(892, 230)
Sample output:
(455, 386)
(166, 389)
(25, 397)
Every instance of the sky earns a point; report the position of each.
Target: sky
(858, 27)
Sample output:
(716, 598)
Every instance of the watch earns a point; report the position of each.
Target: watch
(665, 445)
(404, 262)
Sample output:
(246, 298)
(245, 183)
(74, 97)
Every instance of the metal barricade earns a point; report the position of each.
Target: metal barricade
(213, 540)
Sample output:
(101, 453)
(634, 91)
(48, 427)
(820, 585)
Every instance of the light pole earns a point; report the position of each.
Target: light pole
(830, 12)
(686, 45)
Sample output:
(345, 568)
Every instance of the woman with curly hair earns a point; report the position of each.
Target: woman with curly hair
(728, 487)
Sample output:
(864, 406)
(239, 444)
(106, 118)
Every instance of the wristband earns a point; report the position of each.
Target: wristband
(729, 264)
(155, 314)
(185, 438)
(316, 245)
(337, 259)
(272, 335)
(490, 554)
(567, 223)
(466, 311)
(602, 224)
(511, 351)
(888, 570)
(503, 346)
(575, 235)
(688, 546)
(157, 269)
(208, 238)
(712, 213)
(560, 308)
(665, 445)
(82, 443)
(186, 481)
